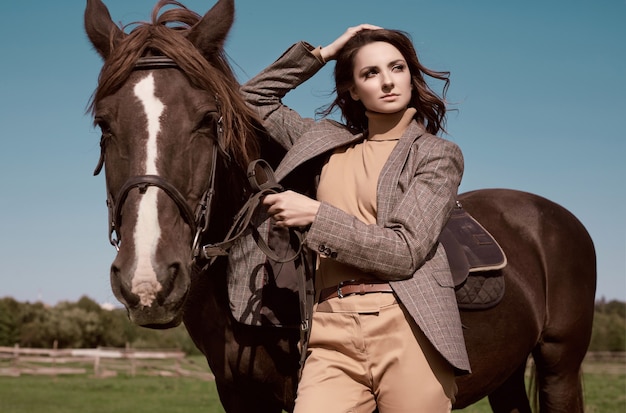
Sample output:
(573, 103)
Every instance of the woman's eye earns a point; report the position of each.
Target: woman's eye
(398, 68)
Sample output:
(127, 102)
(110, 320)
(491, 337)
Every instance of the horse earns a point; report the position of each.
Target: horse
(176, 140)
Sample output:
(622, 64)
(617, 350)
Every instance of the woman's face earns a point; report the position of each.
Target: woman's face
(382, 80)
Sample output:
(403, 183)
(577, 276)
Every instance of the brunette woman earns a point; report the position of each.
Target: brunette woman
(386, 332)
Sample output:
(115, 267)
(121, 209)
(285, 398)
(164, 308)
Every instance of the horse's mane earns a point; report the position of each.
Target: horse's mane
(166, 35)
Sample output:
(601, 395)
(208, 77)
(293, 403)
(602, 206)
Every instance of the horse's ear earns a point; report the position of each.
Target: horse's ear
(209, 34)
(102, 32)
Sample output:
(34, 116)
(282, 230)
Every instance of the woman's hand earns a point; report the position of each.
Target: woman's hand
(330, 52)
(291, 209)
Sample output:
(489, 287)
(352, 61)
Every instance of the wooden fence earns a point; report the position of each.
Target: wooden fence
(107, 362)
(101, 362)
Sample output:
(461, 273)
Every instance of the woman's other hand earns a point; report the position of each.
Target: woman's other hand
(330, 52)
(291, 209)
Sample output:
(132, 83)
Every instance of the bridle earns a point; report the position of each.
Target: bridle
(197, 220)
(262, 182)
(260, 177)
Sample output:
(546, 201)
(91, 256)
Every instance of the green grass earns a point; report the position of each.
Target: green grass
(81, 394)
(479, 407)
(605, 392)
(604, 386)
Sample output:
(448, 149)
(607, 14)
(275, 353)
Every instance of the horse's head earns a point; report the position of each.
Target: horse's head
(172, 119)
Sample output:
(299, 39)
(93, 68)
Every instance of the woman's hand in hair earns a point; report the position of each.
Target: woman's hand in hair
(330, 52)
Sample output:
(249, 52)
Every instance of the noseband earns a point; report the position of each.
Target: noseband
(198, 221)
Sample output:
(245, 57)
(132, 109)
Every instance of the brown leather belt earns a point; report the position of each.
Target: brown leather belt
(346, 288)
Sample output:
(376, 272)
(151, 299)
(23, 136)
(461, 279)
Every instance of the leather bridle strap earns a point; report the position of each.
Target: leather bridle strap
(198, 222)
(203, 211)
(142, 182)
(155, 62)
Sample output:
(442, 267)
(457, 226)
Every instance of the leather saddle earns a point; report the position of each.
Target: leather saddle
(475, 259)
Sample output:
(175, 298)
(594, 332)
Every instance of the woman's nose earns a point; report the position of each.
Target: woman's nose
(387, 83)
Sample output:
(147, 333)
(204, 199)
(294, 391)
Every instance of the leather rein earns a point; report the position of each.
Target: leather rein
(197, 220)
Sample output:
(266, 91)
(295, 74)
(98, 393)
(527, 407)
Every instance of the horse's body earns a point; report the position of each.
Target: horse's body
(546, 311)
(171, 127)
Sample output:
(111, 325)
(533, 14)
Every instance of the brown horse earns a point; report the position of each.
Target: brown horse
(176, 139)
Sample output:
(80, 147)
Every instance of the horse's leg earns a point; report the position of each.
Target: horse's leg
(251, 365)
(571, 277)
(511, 396)
(242, 391)
(563, 345)
(559, 378)
(243, 401)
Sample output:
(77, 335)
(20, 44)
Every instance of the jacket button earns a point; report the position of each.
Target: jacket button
(321, 248)
(333, 254)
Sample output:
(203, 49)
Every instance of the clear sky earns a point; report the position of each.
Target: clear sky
(540, 88)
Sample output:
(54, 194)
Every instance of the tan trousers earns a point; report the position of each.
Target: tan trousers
(362, 361)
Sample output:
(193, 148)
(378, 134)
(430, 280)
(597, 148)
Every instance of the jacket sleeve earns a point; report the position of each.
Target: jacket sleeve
(397, 248)
(265, 91)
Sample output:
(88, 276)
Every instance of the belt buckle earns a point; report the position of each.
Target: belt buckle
(341, 284)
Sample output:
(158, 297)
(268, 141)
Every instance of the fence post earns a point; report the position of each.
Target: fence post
(96, 363)
(16, 355)
(54, 354)
(129, 353)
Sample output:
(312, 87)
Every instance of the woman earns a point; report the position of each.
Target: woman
(386, 332)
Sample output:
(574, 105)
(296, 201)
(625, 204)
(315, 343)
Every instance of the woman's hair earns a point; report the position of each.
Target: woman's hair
(431, 108)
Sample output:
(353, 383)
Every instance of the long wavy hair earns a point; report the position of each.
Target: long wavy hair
(431, 108)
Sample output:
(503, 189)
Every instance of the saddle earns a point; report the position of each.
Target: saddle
(475, 259)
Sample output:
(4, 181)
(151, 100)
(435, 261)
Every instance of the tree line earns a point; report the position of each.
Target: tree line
(81, 324)
(85, 324)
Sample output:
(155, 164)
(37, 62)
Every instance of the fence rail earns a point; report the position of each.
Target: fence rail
(107, 362)
(102, 362)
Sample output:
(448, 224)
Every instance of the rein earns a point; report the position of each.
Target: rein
(262, 181)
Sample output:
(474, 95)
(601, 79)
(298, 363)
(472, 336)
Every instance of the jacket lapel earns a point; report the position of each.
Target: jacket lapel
(325, 137)
(390, 174)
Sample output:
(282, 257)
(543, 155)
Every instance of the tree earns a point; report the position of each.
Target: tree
(609, 326)
(74, 327)
(35, 326)
(9, 322)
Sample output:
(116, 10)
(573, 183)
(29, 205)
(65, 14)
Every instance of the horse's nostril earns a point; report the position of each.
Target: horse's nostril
(169, 283)
(173, 270)
(122, 290)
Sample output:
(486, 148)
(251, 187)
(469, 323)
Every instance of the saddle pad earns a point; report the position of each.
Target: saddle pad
(482, 250)
(469, 246)
(480, 291)
(474, 257)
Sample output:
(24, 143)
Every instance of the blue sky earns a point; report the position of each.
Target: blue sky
(539, 86)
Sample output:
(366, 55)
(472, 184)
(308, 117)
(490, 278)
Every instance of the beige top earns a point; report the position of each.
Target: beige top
(349, 181)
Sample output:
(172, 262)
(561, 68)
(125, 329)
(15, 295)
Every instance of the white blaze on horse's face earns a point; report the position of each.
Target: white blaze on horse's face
(147, 230)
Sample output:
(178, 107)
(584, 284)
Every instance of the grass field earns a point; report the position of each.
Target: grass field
(605, 392)
(604, 386)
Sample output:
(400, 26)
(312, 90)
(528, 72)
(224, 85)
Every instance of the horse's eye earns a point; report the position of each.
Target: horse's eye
(105, 128)
(207, 124)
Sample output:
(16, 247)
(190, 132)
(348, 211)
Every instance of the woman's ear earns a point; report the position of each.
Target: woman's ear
(353, 94)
